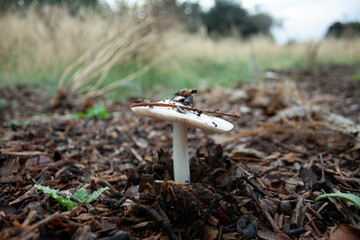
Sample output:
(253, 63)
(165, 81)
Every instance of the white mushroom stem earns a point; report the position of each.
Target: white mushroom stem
(181, 154)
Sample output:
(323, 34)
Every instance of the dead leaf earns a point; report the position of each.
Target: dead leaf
(242, 151)
(9, 167)
(268, 235)
(210, 232)
(7, 209)
(28, 194)
(344, 232)
(83, 233)
(38, 161)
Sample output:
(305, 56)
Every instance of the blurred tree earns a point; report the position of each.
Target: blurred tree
(262, 23)
(187, 13)
(225, 15)
(340, 30)
(191, 16)
(228, 16)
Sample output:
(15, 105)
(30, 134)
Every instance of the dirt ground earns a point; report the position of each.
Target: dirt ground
(297, 138)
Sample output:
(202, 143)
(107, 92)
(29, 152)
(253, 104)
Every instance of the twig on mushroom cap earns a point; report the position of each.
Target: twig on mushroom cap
(156, 104)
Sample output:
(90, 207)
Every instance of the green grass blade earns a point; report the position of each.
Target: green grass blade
(345, 196)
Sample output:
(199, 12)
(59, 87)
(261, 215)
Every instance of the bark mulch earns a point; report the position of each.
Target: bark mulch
(295, 140)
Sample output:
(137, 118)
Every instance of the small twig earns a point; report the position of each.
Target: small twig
(322, 180)
(220, 232)
(293, 149)
(23, 153)
(72, 198)
(322, 207)
(342, 188)
(271, 221)
(160, 217)
(31, 228)
(254, 185)
(273, 224)
(209, 111)
(313, 224)
(29, 218)
(112, 188)
(337, 167)
(318, 215)
(296, 231)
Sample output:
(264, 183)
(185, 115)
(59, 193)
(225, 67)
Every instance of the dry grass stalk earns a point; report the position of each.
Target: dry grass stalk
(83, 78)
(312, 50)
(34, 41)
(120, 82)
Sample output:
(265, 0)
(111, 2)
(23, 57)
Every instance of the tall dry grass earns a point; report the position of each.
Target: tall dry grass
(346, 51)
(263, 48)
(42, 41)
(38, 44)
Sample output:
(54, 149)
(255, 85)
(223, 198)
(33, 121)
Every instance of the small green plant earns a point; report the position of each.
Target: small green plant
(65, 200)
(356, 76)
(345, 196)
(15, 123)
(98, 111)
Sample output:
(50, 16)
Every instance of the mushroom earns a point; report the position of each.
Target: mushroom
(182, 119)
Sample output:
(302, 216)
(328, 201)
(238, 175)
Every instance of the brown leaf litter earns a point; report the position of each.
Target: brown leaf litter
(287, 148)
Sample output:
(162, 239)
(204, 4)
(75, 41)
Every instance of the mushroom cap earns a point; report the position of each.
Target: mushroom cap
(190, 118)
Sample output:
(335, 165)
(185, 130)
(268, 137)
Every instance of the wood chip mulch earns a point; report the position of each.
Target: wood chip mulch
(292, 143)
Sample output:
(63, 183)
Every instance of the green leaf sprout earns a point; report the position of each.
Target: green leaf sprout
(98, 111)
(345, 196)
(65, 200)
(15, 123)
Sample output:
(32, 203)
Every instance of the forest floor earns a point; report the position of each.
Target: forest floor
(298, 137)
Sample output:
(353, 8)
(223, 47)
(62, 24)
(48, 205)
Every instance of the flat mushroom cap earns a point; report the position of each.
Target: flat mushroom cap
(190, 118)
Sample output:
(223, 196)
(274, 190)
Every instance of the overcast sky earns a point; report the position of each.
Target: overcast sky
(303, 20)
